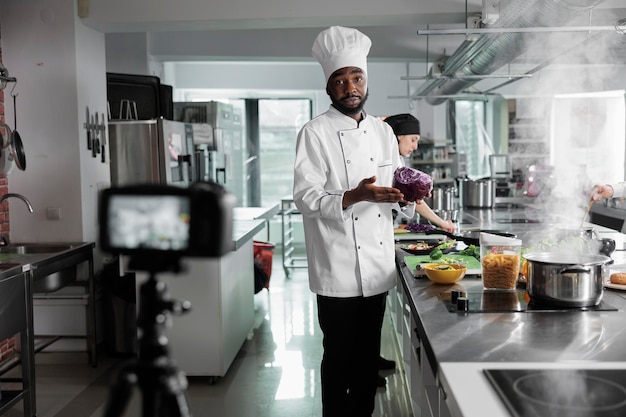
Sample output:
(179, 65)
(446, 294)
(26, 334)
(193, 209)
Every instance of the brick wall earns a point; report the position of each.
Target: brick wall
(7, 347)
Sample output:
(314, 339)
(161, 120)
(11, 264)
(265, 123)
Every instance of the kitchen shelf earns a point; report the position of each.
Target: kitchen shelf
(529, 130)
(436, 158)
(432, 161)
(17, 318)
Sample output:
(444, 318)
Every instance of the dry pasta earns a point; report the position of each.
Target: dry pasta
(500, 270)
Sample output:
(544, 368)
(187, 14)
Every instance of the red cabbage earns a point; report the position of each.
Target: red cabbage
(419, 227)
(414, 184)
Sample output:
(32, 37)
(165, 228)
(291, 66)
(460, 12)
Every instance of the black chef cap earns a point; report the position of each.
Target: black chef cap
(404, 124)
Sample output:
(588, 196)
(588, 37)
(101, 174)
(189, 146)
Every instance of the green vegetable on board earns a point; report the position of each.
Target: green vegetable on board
(471, 250)
(436, 253)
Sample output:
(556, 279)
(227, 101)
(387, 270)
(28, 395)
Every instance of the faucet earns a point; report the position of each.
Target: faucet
(20, 196)
(4, 241)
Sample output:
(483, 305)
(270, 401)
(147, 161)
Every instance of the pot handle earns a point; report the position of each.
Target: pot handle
(574, 269)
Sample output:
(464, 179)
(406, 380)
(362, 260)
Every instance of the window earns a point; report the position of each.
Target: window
(280, 120)
(471, 136)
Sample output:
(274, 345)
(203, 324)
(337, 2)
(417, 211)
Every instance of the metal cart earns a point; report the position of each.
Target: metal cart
(290, 262)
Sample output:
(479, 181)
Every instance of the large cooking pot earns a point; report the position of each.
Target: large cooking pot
(477, 193)
(566, 279)
(442, 198)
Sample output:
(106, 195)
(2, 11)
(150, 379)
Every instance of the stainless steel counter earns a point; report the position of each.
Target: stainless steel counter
(574, 339)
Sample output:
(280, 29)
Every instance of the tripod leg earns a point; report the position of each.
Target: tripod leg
(120, 392)
(175, 403)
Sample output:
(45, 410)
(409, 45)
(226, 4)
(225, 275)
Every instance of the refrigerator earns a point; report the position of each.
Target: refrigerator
(222, 158)
(156, 151)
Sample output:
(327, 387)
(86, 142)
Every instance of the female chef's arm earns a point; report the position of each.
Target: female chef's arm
(608, 191)
(425, 211)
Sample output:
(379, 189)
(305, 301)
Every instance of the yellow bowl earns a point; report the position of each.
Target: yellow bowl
(445, 273)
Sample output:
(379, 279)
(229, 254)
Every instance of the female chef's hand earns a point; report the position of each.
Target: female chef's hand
(601, 191)
(447, 225)
(367, 191)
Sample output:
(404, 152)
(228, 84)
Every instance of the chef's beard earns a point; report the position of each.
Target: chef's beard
(349, 111)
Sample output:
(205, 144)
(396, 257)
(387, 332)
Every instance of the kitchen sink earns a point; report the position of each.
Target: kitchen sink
(48, 275)
(35, 248)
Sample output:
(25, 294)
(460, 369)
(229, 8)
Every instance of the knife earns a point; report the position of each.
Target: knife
(88, 127)
(93, 139)
(103, 142)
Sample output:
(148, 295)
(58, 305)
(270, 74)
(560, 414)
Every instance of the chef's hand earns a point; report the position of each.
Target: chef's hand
(367, 191)
(601, 191)
(447, 225)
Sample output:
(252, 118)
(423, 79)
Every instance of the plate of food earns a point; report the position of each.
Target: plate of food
(617, 279)
(425, 248)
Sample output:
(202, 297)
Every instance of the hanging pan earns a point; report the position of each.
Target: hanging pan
(17, 146)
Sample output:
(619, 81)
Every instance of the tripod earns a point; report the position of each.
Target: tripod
(163, 386)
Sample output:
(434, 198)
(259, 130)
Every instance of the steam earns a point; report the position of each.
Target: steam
(575, 96)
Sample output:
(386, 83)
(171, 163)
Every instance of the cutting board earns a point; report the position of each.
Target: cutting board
(418, 236)
(414, 263)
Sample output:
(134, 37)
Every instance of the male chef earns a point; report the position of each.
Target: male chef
(345, 161)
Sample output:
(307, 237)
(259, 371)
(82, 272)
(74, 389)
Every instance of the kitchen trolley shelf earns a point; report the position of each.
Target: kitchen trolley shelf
(17, 319)
(290, 260)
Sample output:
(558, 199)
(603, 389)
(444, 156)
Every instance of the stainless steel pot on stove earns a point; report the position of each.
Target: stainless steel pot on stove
(566, 279)
(477, 193)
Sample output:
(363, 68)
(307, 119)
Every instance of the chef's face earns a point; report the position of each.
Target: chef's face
(407, 144)
(347, 88)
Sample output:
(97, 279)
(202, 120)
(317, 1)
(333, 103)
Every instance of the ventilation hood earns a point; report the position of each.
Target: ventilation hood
(486, 53)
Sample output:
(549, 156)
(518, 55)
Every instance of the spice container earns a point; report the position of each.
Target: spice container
(500, 260)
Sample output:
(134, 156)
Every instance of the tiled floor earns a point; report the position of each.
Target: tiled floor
(276, 373)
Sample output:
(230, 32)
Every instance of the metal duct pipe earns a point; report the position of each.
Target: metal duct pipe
(490, 52)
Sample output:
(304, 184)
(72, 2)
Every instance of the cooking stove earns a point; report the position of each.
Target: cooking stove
(561, 392)
(514, 221)
(503, 301)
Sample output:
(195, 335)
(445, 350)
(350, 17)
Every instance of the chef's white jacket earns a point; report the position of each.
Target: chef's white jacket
(619, 189)
(349, 252)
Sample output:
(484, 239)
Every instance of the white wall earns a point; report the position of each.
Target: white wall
(280, 77)
(59, 66)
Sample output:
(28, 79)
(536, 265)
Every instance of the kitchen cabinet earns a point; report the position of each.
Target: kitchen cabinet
(435, 157)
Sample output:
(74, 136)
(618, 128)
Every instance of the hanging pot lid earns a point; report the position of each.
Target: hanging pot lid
(6, 162)
(5, 136)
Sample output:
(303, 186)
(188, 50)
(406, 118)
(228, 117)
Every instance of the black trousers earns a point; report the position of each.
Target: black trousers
(352, 328)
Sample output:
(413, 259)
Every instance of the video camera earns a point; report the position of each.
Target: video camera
(152, 222)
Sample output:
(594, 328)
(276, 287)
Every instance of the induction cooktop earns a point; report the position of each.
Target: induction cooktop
(502, 301)
(561, 392)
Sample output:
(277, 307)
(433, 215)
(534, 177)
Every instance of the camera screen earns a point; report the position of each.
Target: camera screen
(149, 222)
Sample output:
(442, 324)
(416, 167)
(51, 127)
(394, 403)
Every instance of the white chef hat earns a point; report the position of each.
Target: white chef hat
(338, 47)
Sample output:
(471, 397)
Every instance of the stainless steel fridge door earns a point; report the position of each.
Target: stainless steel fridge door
(135, 153)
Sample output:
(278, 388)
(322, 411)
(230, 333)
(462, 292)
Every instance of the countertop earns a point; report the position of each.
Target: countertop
(460, 345)
(244, 230)
(241, 215)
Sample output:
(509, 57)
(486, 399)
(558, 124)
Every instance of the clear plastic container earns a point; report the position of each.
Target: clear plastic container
(500, 260)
